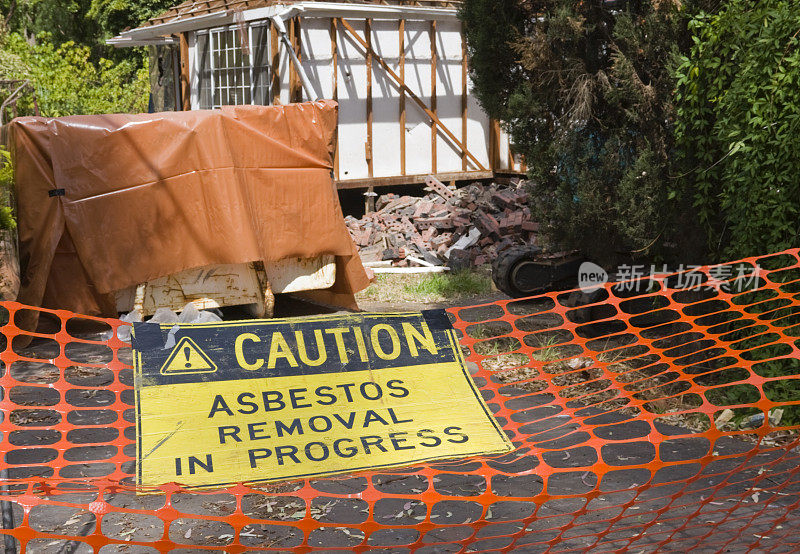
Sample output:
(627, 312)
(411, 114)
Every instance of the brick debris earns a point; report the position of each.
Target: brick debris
(460, 228)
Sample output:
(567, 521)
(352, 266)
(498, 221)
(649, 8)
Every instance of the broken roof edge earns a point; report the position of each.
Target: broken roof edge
(125, 42)
(193, 8)
(159, 33)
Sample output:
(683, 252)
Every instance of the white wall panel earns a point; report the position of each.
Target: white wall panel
(418, 79)
(316, 59)
(448, 94)
(505, 150)
(478, 129)
(386, 100)
(352, 79)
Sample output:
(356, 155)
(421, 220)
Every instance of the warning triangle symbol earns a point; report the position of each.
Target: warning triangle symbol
(187, 357)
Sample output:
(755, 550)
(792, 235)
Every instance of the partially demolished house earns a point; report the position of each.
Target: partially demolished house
(397, 68)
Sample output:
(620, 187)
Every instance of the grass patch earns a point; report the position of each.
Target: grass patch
(426, 287)
(450, 285)
(547, 352)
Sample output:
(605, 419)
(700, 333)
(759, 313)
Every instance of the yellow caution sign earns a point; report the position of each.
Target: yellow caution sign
(187, 357)
(305, 397)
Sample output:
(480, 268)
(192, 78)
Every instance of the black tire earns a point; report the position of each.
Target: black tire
(503, 268)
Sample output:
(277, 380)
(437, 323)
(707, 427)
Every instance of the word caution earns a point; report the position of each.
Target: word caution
(286, 399)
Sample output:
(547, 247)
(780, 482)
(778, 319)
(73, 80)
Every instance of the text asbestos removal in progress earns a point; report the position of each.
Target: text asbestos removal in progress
(280, 399)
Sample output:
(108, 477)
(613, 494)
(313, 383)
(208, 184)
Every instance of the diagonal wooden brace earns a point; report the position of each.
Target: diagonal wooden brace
(375, 56)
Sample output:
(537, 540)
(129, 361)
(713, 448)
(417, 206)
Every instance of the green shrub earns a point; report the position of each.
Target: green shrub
(7, 221)
(67, 81)
(738, 122)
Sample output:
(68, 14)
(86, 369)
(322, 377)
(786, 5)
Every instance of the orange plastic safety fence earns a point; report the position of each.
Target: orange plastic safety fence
(653, 415)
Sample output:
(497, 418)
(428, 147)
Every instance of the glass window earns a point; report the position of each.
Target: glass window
(232, 67)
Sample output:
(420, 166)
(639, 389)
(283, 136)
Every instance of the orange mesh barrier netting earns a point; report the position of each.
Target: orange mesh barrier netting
(660, 417)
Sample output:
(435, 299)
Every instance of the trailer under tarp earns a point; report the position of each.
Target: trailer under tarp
(107, 202)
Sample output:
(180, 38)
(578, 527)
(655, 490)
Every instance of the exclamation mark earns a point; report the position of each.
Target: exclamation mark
(186, 351)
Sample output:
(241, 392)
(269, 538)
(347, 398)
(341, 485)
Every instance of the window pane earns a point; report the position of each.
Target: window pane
(203, 71)
(260, 47)
(261, 65)
(202, 50)
(234, 80)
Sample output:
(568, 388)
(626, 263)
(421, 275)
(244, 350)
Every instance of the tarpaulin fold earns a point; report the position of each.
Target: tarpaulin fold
(110, 201)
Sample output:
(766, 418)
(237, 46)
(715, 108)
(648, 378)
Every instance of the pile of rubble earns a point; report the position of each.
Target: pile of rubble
(454, 227)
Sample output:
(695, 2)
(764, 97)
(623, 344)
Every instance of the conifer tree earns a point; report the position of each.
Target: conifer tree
(585, 90)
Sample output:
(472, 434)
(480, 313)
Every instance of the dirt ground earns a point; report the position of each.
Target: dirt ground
(409, 306)
(387, 295)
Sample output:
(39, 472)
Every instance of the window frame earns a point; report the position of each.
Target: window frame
(214, 72)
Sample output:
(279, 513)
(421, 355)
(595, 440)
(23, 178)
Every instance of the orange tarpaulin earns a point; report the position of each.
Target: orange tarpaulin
(109, 201)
